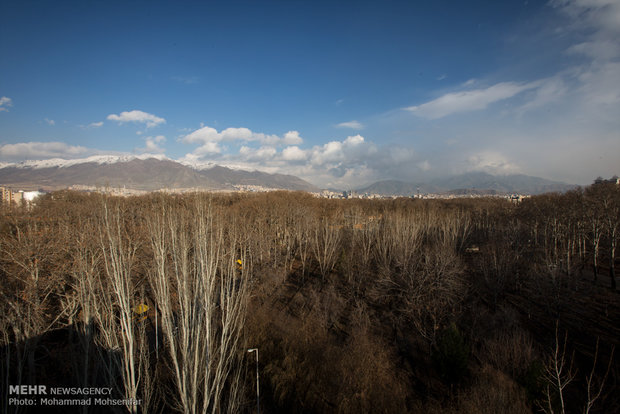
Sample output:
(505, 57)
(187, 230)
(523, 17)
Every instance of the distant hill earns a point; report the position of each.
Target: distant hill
(470, 183)
(397, 188)
(146, 173)
(229, 176)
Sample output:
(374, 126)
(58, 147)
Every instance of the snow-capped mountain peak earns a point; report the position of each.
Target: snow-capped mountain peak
(97, 159)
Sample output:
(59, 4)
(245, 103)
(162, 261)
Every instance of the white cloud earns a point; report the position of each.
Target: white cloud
(470, 100)
(292, 138)
(50, 121)
(233, 134)
(603, 49)
(354, 140)
(346, 163)
(95, 124)
(153, 145)
(603, 15)
(353, 147)
(351, 124)
(293, 153)
(40, 150)
(209, 138)
(261, 155)
(492, 162)
(330, 152)
(599, 23)
(424, 165)
(209, 148)
(202, 135)
(551, 90)
(5, 103)
(137, 116)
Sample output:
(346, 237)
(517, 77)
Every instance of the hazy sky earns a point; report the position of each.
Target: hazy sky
(339, 93)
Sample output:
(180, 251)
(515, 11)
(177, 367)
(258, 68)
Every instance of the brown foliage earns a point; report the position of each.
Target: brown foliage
(344, 299)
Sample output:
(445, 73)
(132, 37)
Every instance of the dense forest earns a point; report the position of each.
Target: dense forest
(476, 305)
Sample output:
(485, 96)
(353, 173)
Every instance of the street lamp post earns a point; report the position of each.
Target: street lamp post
(257, 386)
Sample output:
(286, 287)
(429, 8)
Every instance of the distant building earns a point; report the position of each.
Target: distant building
(7, 195)
(18, 197)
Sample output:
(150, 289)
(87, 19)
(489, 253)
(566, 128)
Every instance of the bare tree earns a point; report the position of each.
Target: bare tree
(302, 241)
(119, 251)
(595, 387)
(559, 372)
(325, 242)
(432, 292)
(201, 295)
(27, 259)
(84, 273)
(596, 228)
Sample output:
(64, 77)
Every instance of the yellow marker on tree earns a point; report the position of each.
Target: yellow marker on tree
(140, 309)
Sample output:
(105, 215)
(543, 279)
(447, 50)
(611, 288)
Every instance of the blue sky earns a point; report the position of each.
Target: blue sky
(339, 93)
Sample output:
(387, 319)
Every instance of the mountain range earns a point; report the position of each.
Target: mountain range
(146, 173)
(155, 172)
(470, 183)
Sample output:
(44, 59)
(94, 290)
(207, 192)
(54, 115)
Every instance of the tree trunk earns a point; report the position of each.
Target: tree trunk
(612, 260)
(595, 263)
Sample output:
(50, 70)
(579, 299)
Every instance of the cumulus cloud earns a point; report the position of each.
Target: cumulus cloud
(355, 161)
(41, 150)
(209, 139)
(291, 138)
(202, 136)
(208, 148)
(492, 162)
(153, 145)
(5, 103)
(137, 116)
(352, 148)
(350, 124)
(346, 163)
(262, 154)
(95, 124)
(328, 153)
(50, 121)
(469, 100)
(294, 153)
